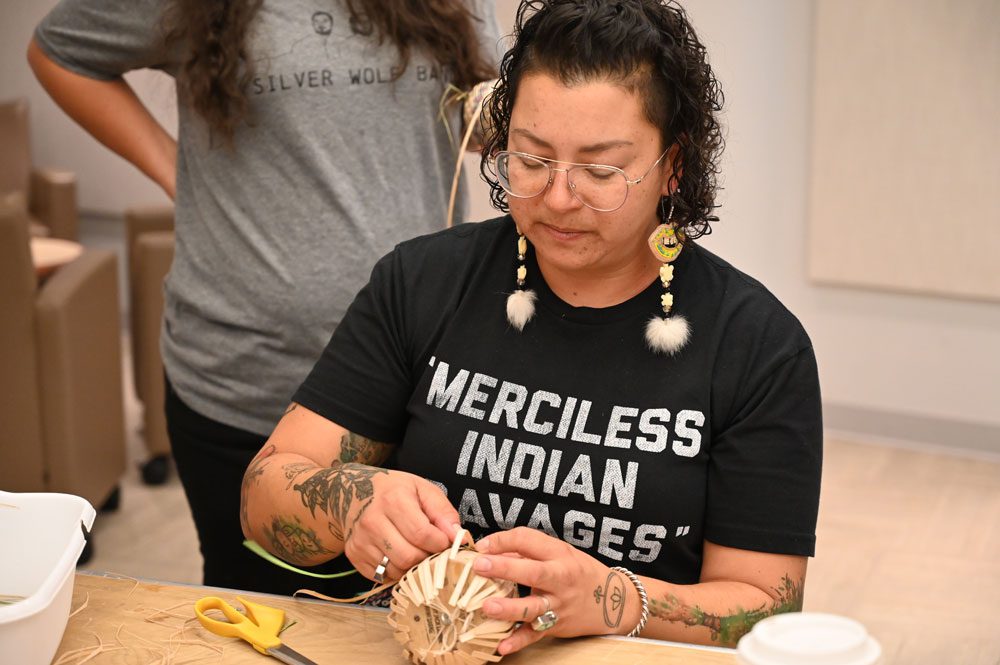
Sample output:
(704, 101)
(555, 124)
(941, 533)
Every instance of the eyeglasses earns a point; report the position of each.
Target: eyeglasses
(597, 186)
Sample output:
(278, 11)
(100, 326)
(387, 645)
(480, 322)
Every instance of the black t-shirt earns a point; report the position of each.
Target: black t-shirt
(573, 426)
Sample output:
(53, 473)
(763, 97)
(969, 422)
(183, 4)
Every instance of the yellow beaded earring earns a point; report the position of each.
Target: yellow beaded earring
(669, 334)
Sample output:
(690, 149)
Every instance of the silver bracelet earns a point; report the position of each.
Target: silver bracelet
(643, 598)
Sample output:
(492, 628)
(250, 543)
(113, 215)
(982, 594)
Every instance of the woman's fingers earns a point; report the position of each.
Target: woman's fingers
(520, 638)
(416, 514)
(397, 524)
(439, 512)
(524, 609)
(528, 572)
(401, 555)
(530, 543)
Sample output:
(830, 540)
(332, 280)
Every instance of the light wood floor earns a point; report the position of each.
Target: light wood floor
(908, 543)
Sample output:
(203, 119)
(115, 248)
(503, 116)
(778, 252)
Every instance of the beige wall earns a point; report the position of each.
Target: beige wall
(928, 359)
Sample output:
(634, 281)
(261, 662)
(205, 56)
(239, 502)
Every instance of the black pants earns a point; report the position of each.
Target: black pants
(211, 458)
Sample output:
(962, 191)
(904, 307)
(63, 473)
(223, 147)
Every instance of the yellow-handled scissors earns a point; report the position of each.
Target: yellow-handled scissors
(259, 626)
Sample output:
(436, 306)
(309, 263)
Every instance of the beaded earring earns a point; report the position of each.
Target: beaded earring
(669, 334)
(521, 303)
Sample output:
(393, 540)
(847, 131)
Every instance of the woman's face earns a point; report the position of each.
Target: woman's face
(594, 123)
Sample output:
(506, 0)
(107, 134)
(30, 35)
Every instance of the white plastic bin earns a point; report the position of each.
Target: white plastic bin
(41, 538)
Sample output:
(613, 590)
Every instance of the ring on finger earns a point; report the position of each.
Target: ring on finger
(548, 604)
(544, 621)
(380, 569)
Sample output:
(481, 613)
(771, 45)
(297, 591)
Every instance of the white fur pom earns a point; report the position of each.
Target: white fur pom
(520, 307)
(667, 335)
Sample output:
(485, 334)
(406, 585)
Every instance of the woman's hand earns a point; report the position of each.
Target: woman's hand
(587, 597)
(390, 514)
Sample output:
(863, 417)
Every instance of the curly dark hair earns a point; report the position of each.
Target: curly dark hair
(217, 65)
(648, 47)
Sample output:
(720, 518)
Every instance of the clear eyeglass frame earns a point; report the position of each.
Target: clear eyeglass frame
(572, 167)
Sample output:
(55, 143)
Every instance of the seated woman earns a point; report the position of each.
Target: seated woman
(578, 383)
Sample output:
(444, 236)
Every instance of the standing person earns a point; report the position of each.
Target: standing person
(579, 382)
(309, 144)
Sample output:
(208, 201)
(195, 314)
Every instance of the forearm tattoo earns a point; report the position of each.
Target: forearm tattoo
(334, 491)
(293, 542)
(611, 597)
(348, 479)
(252, 478)
(296, 469)
(728, 629)
(356, 448)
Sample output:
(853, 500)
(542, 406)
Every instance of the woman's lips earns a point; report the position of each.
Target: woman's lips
(562, 234)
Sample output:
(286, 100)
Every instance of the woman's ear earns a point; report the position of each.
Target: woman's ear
(672, 170)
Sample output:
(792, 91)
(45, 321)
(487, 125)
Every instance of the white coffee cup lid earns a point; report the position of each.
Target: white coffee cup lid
(812, 638)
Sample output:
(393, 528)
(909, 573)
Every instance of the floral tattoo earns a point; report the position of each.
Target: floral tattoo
(294, 542)
(348, 480)
(728, 629)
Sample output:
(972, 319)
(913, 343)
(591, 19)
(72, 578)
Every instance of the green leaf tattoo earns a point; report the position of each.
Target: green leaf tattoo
(727, 630)
(294, 542)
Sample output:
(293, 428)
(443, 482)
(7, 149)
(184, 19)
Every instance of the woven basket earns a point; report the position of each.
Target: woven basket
(436, 613)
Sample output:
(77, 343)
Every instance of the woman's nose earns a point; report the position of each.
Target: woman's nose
(559, 195)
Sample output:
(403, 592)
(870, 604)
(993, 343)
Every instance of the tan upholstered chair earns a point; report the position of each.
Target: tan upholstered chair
(62, 423)
(47, 196)
(150, 242)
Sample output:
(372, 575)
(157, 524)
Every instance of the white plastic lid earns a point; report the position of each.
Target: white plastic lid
(808, 637)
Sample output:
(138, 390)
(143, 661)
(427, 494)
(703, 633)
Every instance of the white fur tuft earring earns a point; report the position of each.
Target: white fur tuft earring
(521, 303)
(669, 334)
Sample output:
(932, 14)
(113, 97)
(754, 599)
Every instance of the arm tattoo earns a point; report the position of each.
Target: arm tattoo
(728, 629)
(334, 490)
(295, 469)
(291, 407)
(613, 596)
(252, 478)
(294, 542)
(356, 448)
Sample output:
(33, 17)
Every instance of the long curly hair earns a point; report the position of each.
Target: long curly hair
(217, 65)
(647, 46)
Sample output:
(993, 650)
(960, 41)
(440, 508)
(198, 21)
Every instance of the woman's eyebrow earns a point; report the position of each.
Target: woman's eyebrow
(588, 149)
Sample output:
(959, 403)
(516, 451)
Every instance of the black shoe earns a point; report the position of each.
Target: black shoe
(114, 500)
(156, 470)
(87, 553)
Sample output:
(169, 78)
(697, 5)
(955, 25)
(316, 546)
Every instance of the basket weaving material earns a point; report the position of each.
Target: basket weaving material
(436, 610)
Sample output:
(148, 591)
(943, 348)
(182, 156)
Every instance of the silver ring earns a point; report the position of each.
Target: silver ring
(380, 569)
(544, 621)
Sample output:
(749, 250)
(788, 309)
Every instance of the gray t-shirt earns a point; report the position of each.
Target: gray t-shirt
(275, 237)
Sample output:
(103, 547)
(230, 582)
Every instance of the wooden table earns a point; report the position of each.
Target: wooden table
(49, 253)
(147, 622)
